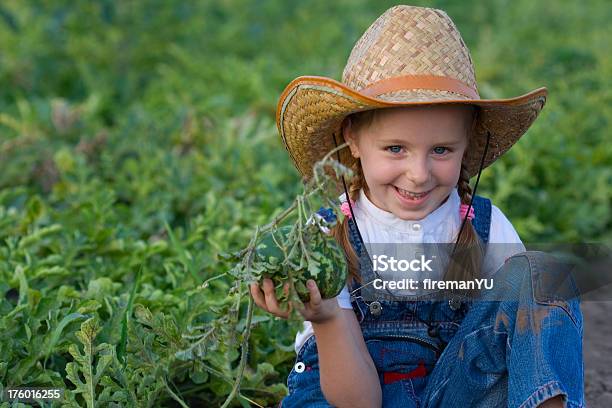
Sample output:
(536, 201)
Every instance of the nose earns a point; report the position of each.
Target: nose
(417, 170)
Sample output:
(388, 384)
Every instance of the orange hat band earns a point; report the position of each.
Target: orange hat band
(407, 82)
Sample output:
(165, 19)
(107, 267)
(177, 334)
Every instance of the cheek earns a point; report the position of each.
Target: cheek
(448, 172)
(376, 168)
(383, 172)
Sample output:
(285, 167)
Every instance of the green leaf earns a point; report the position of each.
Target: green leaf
(90, 363)
(57, 332)
(313, 268)
(126, 315)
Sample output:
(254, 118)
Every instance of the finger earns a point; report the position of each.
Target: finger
(286, 289)
(271, 301)
(258, 297)
(315, 295)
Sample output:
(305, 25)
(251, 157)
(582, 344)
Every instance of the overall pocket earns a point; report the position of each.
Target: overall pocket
(403, 363)
(553, 284)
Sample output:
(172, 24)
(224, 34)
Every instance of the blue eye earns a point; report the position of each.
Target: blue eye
(394, 149)
(440, 150)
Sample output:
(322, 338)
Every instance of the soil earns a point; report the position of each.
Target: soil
(597, 353)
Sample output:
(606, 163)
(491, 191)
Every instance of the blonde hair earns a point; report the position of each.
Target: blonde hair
(466, 260)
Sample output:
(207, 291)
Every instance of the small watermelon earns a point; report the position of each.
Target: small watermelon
(325, 263)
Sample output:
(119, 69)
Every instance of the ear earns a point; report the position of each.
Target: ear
(350, 137)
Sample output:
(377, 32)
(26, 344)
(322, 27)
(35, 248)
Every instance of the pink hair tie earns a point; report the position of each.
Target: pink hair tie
(346, 210)
(463, 211)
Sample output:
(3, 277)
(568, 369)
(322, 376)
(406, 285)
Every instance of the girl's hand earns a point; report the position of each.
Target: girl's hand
(317, 310)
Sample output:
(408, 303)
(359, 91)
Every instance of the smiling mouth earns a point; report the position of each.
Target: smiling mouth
(411, 194)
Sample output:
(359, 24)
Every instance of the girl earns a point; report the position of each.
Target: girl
(417, 130)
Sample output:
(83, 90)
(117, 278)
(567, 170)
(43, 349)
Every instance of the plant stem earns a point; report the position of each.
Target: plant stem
(205, 283)
(243, 357)
(302, 213)
(174, 396)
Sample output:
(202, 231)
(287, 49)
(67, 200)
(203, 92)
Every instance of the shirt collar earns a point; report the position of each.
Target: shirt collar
(447, 213)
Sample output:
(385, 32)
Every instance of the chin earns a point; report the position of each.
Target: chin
(412, 216)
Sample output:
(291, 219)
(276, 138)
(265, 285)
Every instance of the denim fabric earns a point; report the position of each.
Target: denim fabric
(517, 345)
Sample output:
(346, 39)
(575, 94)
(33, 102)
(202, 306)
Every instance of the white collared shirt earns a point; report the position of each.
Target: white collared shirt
(439, 226)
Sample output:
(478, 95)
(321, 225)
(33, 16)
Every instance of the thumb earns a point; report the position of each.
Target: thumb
(315, 295)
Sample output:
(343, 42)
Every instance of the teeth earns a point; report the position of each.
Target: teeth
(410, 194)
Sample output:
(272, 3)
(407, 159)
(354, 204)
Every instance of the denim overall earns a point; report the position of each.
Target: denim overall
(517, 345)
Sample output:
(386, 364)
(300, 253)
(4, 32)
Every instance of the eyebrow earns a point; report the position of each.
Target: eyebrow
(403, 142)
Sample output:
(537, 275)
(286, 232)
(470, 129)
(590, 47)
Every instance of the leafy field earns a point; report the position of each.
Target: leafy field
(138, 144)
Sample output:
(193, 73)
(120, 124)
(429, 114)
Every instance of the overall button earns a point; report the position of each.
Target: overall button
(416, 227)
(375, 308)
(299, 367)
(454, 304)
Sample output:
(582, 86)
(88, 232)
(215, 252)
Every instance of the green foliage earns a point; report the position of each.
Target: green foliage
(138, 145)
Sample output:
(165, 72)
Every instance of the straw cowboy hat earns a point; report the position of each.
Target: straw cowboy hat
(409, 56)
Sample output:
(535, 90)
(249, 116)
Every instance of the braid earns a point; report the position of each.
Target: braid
(357, 180)
(463, 185)
(467, 261)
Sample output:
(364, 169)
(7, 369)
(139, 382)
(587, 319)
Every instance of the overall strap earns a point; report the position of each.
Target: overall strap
(354, 236)
(482, 217)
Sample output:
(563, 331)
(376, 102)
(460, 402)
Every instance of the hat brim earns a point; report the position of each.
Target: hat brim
(311, 109)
